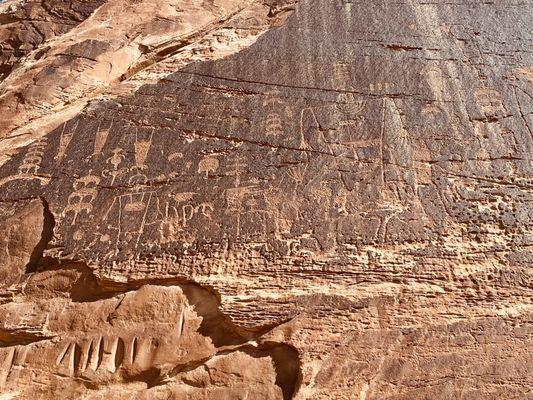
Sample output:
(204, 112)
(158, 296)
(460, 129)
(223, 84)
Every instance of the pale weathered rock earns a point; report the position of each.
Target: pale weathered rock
(315, 199)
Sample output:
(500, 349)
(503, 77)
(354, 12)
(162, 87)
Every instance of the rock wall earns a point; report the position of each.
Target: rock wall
(314, 199)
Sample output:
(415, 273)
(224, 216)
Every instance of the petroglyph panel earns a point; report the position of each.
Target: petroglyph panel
(354, 186)
(280, 167)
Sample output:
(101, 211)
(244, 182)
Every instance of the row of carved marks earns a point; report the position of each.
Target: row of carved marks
(106, 355)
(12, 361)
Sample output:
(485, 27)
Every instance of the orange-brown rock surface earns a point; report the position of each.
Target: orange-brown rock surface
(266, 199)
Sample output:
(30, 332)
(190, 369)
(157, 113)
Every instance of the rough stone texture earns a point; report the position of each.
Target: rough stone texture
(322, 199)
(26, 26)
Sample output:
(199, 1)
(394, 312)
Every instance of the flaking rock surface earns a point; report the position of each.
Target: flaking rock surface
(266, 199)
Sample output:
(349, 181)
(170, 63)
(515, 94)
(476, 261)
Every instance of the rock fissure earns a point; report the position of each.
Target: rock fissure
(47, 235)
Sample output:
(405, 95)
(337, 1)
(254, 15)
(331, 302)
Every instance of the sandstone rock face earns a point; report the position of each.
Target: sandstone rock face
(266, 199)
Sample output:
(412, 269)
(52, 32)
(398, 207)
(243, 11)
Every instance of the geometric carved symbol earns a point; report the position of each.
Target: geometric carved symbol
(32, 160)
(64, 141)
(273, 124)
(142, 146)
(208, 164)
(30, 165)
(100, 140)
(85, 191)
(490, 102)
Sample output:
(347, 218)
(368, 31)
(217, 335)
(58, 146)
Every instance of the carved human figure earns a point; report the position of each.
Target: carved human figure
(131, 213)
(115, 160)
